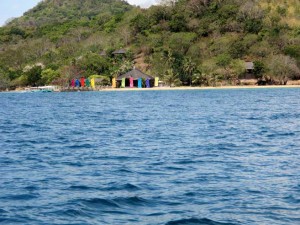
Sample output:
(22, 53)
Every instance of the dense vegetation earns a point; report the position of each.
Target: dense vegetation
(184, 42)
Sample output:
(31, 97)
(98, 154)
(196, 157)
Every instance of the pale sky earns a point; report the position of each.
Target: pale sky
(16, 8)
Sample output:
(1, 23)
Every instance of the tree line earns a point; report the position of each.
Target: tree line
(184, 42)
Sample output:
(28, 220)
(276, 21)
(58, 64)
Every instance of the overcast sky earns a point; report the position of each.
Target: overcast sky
(16, 8)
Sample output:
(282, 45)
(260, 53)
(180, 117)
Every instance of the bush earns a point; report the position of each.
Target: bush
(48, 76)
(34, 75)
(259, 69)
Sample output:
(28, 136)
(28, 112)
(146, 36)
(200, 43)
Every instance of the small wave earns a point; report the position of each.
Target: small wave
(6, 160)
(78, 146)
(96, 202)
(127, 187)
(74, 212)
(292, 199)
(184, 162)
(158, 163)
(281, 135)
(2, 211)
(31, 188)
(284, 116)
(125, 171)
(122, 157)
(20, 197)
(11, 221)
(25, 125)
(195, 221)
(253, 118)
(80, 187)
(75, 164)
(297, 188)
(254, 191)
(156, 214)
(19, 220)
(132, 201)
(115, 203)
(190, 194)
(172, 203)
(130, 187)
(174, 168)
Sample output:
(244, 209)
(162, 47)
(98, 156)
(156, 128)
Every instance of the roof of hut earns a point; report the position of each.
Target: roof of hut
(120, 51)
(249, 65)
(135, 74)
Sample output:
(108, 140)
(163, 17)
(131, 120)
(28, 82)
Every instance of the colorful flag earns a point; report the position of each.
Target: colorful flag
(131, 82)
(148, 83)
(156, 82)
(73, 83)
(77, 83)
(93, 83)
(87, 82)
(82, 81)
(140, 83)
(114, 83)
(123, 83)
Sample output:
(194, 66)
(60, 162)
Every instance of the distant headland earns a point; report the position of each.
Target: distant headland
(189, 43)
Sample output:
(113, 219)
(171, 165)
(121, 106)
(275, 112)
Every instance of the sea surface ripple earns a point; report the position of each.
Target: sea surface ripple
(211, 157)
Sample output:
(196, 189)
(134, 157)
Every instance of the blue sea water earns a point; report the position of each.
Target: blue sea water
(210, 157)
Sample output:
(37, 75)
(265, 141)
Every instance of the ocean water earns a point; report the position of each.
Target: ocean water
(210, 157)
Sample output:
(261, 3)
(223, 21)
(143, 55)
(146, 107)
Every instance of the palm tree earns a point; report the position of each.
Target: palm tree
(189, 68)
(171, 78)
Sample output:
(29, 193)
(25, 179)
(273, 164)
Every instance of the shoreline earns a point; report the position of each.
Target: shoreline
(183, 88)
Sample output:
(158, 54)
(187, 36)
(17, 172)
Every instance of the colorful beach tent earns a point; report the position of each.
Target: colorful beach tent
(114, 83)
(77, 83)
(93, 83)
(156, 82)
(73, 83)
(123, 82)
(87, 82)
(82, 82)
(147, 83)
(140, 83)
(135, 74)
(131, 82)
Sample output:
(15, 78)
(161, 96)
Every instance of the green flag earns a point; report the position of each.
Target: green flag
(123, 83)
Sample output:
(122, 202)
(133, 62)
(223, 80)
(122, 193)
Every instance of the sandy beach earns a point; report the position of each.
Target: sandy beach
(183, 88)
(200, 88)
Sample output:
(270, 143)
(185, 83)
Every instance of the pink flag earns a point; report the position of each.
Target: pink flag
(73, 83)
(131, 82)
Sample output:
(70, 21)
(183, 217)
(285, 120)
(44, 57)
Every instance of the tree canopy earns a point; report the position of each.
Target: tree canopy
(181, 41)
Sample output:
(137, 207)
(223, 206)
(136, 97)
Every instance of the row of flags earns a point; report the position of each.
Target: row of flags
(86, 82)
(131, 84)
(83, 82)
(131, 80)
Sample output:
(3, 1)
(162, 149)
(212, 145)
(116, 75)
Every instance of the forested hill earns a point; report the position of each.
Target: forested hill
(61, 11)
(189, 42)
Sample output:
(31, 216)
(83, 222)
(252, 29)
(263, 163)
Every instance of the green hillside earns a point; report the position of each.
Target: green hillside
(184, 42)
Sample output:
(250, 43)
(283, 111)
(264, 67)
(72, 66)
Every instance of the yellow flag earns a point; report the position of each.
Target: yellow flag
(156, 82)
(93, 83)
(114, 83)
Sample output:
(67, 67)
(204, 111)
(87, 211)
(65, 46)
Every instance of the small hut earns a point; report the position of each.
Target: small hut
(249, 67)
(136, 75)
